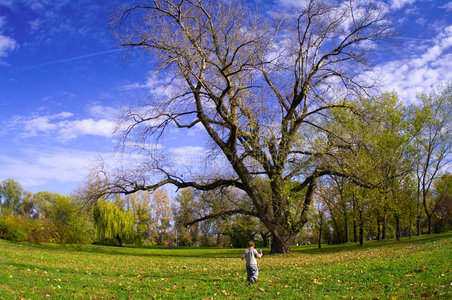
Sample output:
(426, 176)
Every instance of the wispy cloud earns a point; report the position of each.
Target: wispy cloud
(188, 156)
(69, 59)
(447, 6)
(398, 4)
(39, 166)
(7, 44)
(7, 3)
(159, 84)
(420, 71)
(61, 126)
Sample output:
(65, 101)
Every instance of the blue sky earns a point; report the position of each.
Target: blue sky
(64, 79)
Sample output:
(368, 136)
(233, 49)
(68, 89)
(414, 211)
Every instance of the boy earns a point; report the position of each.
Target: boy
(251, 263)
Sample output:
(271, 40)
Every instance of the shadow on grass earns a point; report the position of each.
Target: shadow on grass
(129, 250)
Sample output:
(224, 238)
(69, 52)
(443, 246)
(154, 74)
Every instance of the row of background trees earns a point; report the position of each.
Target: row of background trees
(342, 213)
(401, 187)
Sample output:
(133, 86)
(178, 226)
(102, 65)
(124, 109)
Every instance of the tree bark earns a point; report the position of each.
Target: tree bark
(281, 244)
(361, 236)
(398, 231)
(347, 234)
(418, 225)
(320, 237)
(410, 233)
(378, 229)
(361, 229)
(119, 240)
(384, 229)
(264, 239)
(354, 222)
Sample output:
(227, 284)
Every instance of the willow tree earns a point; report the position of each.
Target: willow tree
(113, 222)
(260, 86)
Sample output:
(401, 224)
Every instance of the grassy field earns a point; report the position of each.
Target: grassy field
(417, 268)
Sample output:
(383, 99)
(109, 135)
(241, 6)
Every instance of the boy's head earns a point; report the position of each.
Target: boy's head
(251, 244)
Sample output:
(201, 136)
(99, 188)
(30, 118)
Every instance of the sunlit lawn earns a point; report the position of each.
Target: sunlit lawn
(419, 268)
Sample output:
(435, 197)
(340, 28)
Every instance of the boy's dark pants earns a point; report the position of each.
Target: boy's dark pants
(252, 272)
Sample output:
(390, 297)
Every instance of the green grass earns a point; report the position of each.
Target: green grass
(417, 268)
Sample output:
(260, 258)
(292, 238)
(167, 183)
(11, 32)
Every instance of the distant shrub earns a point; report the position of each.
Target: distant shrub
(21, 228)
(40, 231)
(12, 228)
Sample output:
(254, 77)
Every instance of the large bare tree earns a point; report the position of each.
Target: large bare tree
(260, 86)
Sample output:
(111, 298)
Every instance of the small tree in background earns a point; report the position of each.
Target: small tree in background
(10, 196)
(432, 127)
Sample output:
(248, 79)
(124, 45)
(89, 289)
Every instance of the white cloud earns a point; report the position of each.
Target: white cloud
(133, 86)
(447, 6)
(39, 167)
(159, 84)
(7, 3)
(106, 112)
(397, 4)
(294, 3)
(420, 71)
(188, 150)
(69, 130)
(61, 126)
(7, 44)
(54, 165)
(188, 156)
(40, 124)
(35, 24)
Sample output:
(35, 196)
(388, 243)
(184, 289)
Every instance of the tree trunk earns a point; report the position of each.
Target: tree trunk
(361, 235)
(119, 240)
(384, 229)
(264, 239)
(429, 219)
(398, 231)
(218, 239)
(280, 244)
(354, 223)
(418, 225)
(378, 229)
(361, 229)
(347, 234)
(320, 237)
(409, 229)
